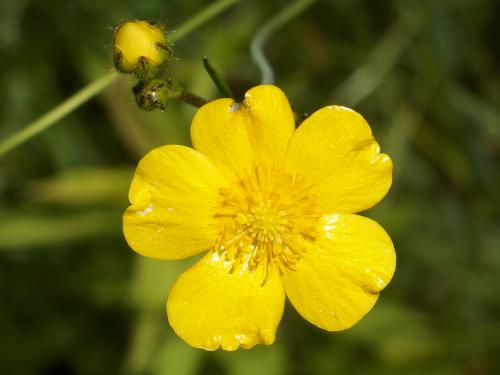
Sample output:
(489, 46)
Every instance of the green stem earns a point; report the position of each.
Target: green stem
(54, 115)
(193, 99)
(223, 88)
(199, 19)
(267, 30)
(95, 87)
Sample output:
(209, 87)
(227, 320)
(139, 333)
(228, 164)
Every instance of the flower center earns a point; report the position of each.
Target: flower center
(268, 217)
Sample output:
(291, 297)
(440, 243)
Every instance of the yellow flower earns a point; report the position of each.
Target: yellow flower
(140, 48)
(273, 207)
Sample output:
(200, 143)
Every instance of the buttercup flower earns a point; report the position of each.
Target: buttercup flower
(274, 209)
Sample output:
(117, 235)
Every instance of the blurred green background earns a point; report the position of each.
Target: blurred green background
(74, 299)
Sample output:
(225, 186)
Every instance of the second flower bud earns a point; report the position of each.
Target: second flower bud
(155, 94)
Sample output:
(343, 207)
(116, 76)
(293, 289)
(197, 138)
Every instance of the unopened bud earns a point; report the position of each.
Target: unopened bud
(140, 48)
(155, 94)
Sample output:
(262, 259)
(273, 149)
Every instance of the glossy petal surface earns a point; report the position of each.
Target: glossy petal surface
(334, 148)
(174, 195)
(238, 136)
(209, 307)
(338, 280)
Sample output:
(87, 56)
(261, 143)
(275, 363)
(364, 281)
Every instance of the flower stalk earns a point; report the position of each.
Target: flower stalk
(192, 99)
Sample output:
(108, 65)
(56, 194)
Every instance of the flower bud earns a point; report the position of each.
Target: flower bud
(155, 94)
(140, 48)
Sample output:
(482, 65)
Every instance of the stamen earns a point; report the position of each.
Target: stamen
(267, 218)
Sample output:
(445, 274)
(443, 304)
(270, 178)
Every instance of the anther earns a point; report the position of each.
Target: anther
(267, 217)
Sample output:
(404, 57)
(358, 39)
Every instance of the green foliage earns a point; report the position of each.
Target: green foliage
(75, 299)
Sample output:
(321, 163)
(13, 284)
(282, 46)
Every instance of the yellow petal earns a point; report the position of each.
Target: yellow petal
(335, 149)
(174, 195)
(210, 307)
(338, 280)
(238, 136)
